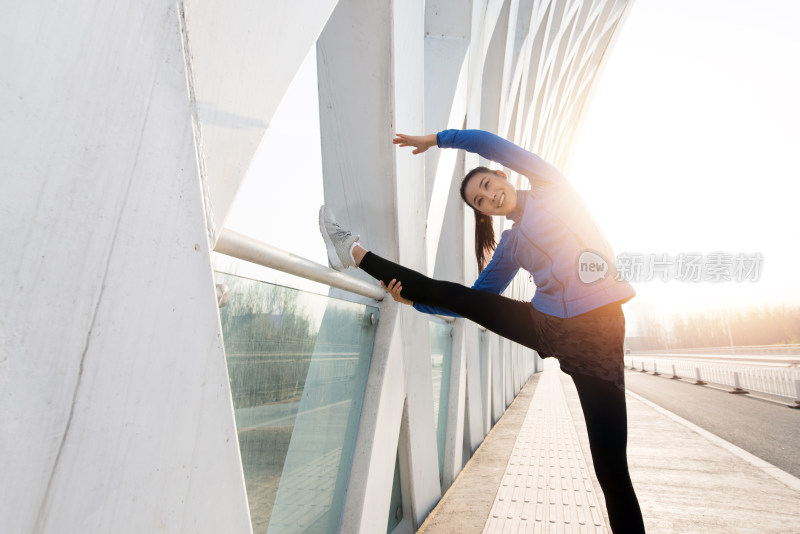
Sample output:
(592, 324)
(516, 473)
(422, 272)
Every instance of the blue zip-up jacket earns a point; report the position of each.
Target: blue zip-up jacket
(554, 237)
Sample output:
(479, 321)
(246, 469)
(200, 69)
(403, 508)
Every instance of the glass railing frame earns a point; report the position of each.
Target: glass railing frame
(351, 289)
(368, 317)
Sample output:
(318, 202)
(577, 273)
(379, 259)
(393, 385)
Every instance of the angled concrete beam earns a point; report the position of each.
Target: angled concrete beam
(495, 72)
(447, 41)
(379, 428)
(243, 55)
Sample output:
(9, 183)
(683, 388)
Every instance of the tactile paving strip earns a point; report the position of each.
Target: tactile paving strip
(546, 487)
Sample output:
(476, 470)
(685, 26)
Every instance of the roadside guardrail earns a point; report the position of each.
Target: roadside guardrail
(779, 382)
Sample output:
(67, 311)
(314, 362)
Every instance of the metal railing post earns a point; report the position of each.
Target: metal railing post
(796, 393)
(674, 373)
(699, 380)
(736, 386)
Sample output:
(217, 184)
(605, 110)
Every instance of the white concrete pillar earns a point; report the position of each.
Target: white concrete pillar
(474, 408)
(498, 378)
(454, 435)
(376, 448)
(509, 372)
(116, 414)
(487, 382)
(379, 193)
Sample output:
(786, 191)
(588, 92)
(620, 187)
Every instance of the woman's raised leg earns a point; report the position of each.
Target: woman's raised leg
(506, 317)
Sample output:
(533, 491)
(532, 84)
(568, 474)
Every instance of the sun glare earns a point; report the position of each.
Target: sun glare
(689, 147)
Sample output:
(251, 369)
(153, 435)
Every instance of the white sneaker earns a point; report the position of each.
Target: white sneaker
(337, 240)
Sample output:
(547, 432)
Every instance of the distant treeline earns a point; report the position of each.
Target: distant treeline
(774, 325)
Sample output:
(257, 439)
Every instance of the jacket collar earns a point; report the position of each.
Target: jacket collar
(516, 214)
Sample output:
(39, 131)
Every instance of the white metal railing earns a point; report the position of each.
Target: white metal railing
(246, 248)
(787, 349)
(232, 243)
(780, 382)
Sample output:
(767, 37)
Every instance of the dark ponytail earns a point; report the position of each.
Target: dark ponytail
(484, 239)
(484, 227)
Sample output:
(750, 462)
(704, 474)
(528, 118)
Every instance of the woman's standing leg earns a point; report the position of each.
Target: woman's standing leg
(604, 409)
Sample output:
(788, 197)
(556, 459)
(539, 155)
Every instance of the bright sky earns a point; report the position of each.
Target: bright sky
(281, 195)
(690, 145)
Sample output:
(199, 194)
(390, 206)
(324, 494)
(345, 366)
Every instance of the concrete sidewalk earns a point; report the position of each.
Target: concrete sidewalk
(533, 474)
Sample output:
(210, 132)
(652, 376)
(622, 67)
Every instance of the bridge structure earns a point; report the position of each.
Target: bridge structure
(145, 390)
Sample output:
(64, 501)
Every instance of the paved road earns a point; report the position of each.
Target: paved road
(768, 430)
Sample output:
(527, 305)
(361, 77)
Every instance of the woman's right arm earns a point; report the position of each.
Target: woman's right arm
(506, 153)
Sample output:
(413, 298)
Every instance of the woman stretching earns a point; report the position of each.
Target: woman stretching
(576, 313)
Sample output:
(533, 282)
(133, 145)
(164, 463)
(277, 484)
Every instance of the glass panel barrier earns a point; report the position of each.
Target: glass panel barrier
(396, 501)
(297, 364)
(441, 337)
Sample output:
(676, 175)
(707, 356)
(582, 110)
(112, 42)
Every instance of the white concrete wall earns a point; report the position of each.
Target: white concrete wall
(127, 129)
(115, 414)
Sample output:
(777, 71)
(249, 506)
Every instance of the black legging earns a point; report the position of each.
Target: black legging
(603, 403)
(606, 418)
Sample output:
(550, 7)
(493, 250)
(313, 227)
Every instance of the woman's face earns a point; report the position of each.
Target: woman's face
(491, 194)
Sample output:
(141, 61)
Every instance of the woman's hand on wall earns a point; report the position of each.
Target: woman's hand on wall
(421, 143)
